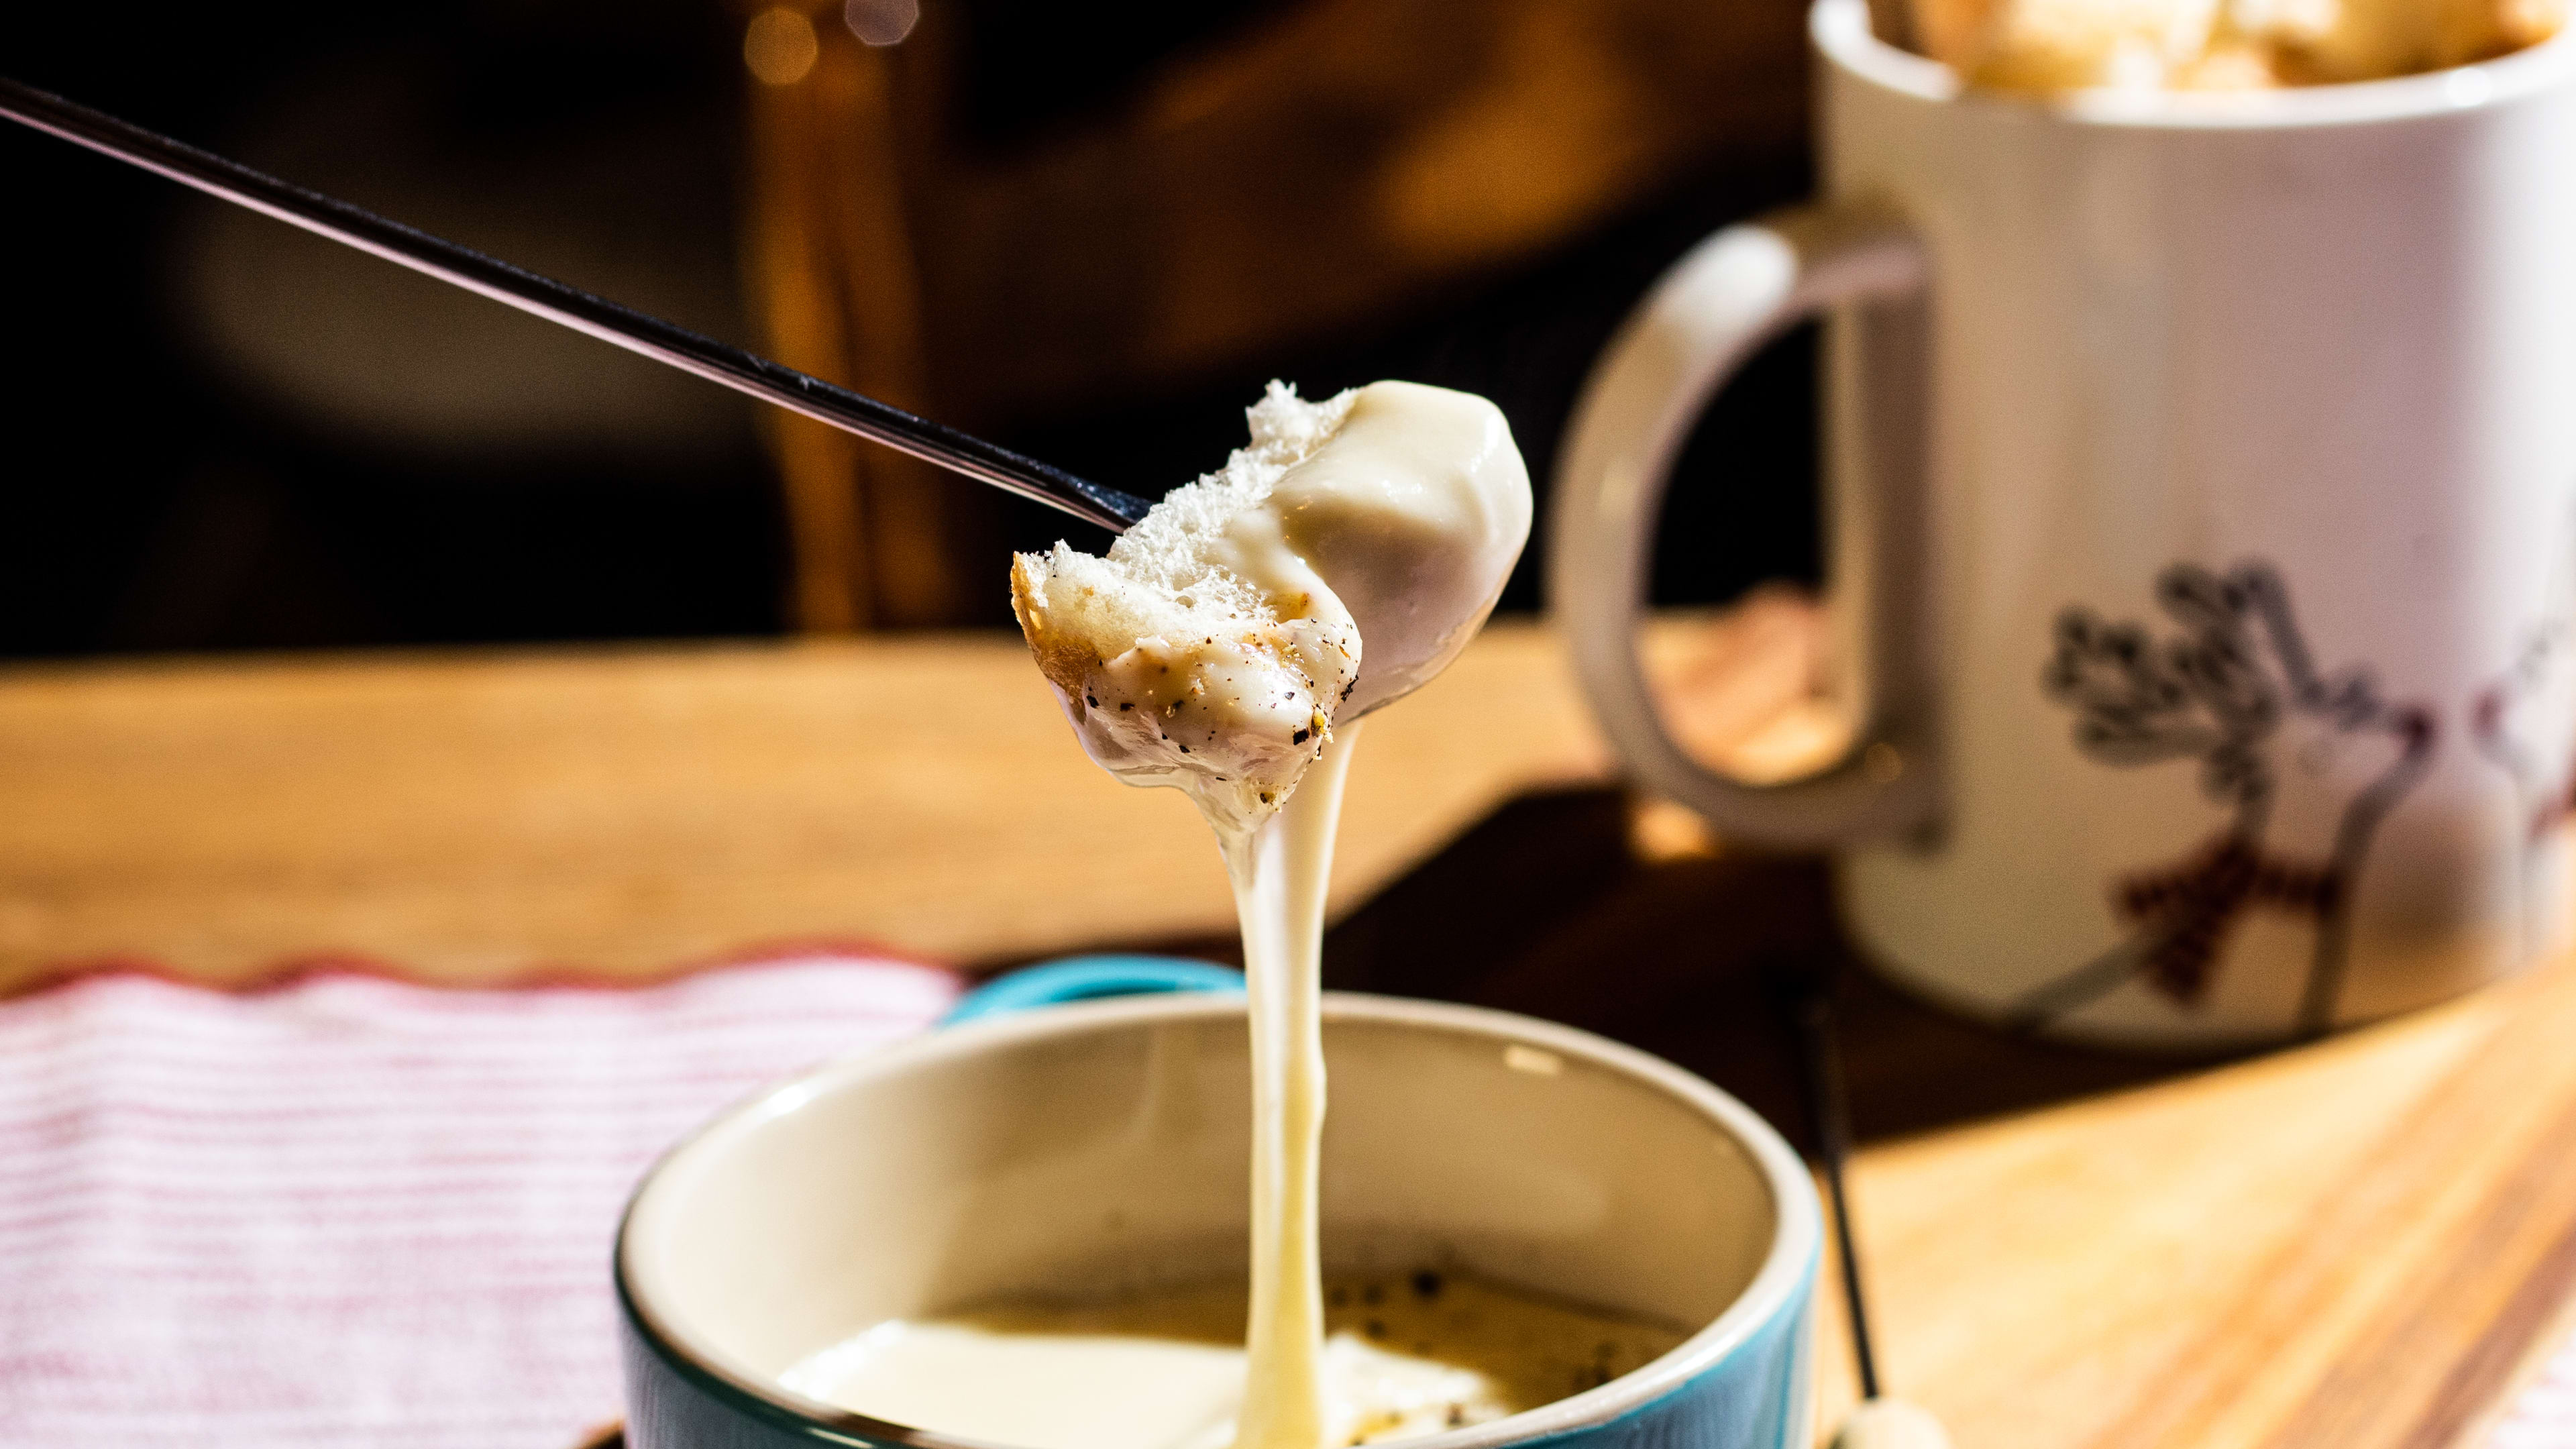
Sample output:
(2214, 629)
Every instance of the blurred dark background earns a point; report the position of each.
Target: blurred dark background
(1090, 232)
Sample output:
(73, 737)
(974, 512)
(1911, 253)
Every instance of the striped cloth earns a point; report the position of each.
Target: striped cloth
(343, 1211)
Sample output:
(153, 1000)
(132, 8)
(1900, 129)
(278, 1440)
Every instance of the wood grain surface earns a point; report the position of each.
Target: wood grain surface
(2358, 1244)
(475, 817)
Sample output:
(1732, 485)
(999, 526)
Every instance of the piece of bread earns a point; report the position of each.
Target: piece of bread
(1177, 669)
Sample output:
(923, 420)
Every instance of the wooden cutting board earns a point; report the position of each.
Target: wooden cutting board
(2363, 1243)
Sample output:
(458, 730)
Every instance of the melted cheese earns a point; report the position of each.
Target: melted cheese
(1335, 564)
(1405, 1356)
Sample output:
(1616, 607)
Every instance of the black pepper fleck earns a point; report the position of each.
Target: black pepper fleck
(1299, 738)
(1427, 1284)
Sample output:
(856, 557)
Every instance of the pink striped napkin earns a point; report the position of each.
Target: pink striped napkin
(346, 1211)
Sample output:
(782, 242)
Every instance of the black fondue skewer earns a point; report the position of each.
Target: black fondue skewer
(1879, 1422)
(544, 297)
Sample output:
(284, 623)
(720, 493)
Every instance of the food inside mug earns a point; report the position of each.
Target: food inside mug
(2209, 45)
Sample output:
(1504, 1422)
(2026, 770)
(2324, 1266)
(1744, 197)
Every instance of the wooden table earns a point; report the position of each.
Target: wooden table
(2354, 1244)
(471, 817)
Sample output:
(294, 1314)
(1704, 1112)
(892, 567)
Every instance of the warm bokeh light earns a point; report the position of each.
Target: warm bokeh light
(881, 22)
(779, 46)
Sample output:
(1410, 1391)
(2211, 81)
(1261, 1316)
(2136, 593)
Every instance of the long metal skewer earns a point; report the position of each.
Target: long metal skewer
(579, 310)
(1879, 1421)
(1829, 1109)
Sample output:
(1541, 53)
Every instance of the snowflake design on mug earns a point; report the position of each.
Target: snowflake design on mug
(2542, 769)
(2303, 764)
(2523, 721)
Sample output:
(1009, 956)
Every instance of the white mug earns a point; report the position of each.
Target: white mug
(2202, 519)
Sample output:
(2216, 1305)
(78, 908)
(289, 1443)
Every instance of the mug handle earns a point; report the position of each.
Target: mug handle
(1087, 978)
(1707, 315)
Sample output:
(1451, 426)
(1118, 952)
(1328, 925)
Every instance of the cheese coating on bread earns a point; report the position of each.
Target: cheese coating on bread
(1176, 663)
(1219, 640)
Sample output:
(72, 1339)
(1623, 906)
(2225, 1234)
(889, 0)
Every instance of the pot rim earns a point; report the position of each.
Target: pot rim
(1776, 1287)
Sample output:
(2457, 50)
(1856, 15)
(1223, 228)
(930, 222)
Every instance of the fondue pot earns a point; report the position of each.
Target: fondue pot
(1103, 1146)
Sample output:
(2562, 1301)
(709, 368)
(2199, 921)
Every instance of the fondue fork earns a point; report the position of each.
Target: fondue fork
(1877, 1422)
(652, 337)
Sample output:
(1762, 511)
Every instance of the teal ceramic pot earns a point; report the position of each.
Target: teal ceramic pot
(1104, 1144)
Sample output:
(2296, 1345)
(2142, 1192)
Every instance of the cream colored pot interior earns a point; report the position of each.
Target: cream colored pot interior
(1096, 1147)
